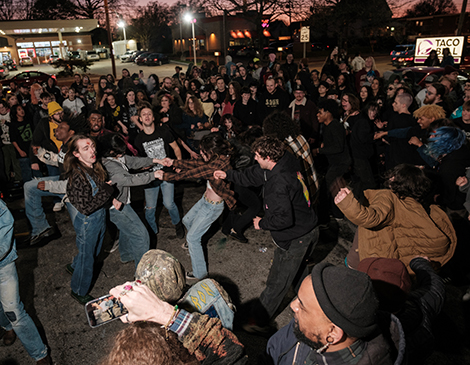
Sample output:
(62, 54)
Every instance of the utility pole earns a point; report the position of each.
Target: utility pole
(462, 17)
(110, 39)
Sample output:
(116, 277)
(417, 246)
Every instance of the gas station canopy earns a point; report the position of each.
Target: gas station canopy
(21, 28)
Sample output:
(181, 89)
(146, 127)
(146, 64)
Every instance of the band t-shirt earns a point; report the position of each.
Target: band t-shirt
(155, 145)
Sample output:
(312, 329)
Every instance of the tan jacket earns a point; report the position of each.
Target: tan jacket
(399, 228)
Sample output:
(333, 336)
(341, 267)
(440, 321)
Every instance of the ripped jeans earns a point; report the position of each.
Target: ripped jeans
(13, 316)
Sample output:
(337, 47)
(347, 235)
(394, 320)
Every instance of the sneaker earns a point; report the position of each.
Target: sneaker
(45, 361)
(185, 246)
(69, 269)
(48, 232)
(179, 228)
(82, 299)
(58, 207)
(466, 296)
(238, 236)
(115, 246)
(190, 276)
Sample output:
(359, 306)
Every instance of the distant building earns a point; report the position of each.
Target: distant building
(39, 39)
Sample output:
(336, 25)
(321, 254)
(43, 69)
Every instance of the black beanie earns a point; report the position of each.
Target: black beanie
(346, 297)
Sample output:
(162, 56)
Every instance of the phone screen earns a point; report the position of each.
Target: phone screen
(103, 310)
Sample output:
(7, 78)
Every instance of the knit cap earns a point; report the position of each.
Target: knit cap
(54, 107)
(346, 297)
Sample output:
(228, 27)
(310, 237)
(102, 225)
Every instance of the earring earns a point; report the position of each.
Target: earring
(322, 349)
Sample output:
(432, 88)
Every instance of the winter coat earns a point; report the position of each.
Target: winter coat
(399, 228)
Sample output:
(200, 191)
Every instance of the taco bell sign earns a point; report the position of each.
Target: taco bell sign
(425, 45)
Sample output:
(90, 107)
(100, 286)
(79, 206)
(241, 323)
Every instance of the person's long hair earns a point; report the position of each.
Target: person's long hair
(73, 165)
(214, 146)
(14, 113)
(237, 88)
(145, 343)
(198, 110)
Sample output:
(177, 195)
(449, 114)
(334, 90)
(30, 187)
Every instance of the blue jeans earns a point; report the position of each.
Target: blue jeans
(26, 171)
(151, 197)
(33, 205)
(13, 316)
(90, 234)
(134, 238)
(197, 221)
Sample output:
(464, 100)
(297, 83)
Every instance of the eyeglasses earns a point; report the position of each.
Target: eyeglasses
(391, 88)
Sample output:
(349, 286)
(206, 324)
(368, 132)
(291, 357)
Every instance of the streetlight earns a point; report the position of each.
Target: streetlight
(190, 19)
(122, 25)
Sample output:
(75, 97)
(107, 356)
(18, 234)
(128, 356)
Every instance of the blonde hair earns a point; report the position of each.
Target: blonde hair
(431, 111)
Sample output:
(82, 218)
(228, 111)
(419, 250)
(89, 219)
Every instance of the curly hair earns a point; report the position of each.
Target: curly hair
(279, 125)
(144, 343)
(267, 146)
(430, 111)
(408, 181)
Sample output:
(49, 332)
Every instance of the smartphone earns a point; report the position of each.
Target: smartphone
(103, 310)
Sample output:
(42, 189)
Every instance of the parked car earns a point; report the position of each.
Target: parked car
(156, 59)
(26, 61)
(319, 46)
(403, 55)
(273, 47)
(127, 56)
(420, 73)
(135, 55)
(3, 72)
(28, 77)
(92, 56)
(232, 50)
(10, 64)
(75, 55)
(139, 60)
(248, 51)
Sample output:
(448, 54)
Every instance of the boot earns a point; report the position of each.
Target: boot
(9, 338)
(179, 229)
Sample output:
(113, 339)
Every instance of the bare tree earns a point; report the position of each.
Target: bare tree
(150, 23)
(432, 7)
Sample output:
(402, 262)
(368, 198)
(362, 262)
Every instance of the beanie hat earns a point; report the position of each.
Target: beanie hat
(54, 107)
(390, 279)
(162, 273)
(346, 297)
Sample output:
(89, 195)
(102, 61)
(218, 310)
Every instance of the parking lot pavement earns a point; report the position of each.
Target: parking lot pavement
(103, 67)
(241, 268)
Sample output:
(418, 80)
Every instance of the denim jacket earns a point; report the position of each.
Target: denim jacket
(7, 241)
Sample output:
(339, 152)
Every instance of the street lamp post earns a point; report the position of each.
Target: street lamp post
(122, 25)
(190, 19)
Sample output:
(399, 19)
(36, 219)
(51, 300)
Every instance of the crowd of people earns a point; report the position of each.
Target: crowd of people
(281, 148)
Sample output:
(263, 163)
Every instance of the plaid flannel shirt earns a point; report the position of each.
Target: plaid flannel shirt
(199, 169)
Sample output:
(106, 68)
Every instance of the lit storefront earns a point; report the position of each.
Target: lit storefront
(39, 39)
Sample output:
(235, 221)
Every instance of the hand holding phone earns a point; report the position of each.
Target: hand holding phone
(103, 310)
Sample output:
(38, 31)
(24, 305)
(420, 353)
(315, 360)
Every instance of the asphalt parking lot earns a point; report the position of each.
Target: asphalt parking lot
(241, 268)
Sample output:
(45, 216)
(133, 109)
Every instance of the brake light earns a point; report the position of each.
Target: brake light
(409, 59)
(156, 59)
(391, 53)
(2, 70)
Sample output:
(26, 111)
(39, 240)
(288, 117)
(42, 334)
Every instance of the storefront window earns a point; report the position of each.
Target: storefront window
(43, 52)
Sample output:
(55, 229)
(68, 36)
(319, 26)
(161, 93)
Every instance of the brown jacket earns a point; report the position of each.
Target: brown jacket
(399, 228)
